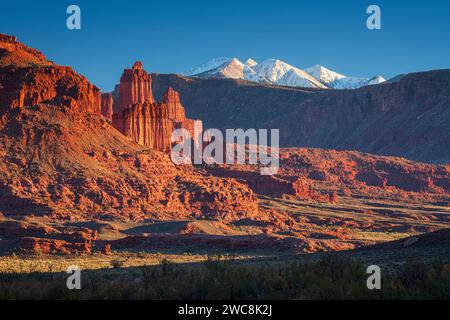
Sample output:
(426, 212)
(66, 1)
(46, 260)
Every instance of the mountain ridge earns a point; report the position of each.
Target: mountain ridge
(278, 72)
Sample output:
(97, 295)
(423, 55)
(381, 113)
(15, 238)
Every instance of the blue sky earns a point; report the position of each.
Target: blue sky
(173, 36)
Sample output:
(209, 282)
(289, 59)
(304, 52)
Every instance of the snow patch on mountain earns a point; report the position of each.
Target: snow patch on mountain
(250, 63)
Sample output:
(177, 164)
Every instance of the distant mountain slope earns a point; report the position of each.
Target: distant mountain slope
(279, 72)
(408, 118)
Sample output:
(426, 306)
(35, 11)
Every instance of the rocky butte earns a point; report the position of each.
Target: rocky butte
(140, 118)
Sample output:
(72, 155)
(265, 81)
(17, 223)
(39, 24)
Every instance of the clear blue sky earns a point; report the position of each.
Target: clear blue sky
(173, 36)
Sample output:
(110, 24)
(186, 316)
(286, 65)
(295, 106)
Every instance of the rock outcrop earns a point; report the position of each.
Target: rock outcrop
(274, 186)
(28, 79)
(145, 121)
(49, 246)
(324, 175)
(16, 54)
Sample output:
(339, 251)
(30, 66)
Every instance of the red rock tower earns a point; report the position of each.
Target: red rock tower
(135, 87)
(140, 118)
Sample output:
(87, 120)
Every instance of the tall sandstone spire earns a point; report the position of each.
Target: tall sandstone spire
(145, 121)
(172, 99)
(135, 86)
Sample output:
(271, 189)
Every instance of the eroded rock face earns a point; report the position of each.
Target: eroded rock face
(147, 124)
(107, 106)
(275, 186)
(365, 172)
(30, 86)
(145, 121)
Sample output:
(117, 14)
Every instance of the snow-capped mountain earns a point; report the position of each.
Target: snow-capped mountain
(279, 72)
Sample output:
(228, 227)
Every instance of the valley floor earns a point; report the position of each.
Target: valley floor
(322, 253)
